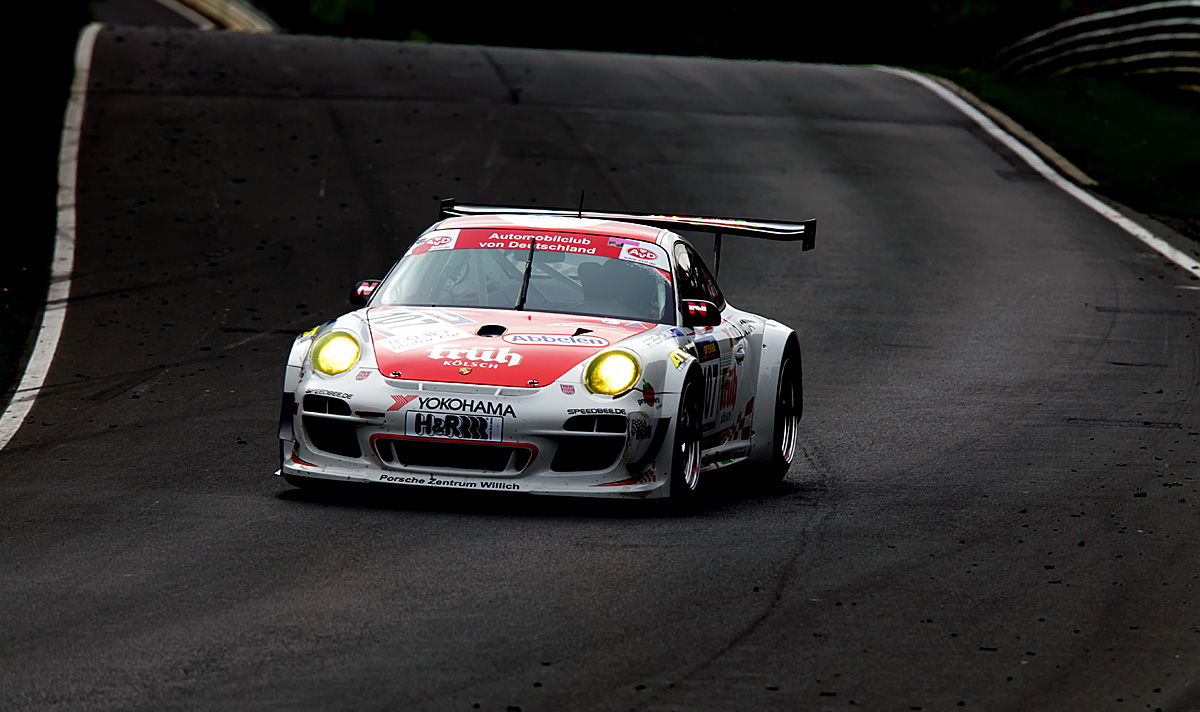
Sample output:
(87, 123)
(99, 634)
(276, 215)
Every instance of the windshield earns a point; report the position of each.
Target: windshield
(575, 274)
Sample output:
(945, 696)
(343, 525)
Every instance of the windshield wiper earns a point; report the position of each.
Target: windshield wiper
(528, 272)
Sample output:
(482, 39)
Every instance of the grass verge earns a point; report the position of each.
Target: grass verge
(1137, 141)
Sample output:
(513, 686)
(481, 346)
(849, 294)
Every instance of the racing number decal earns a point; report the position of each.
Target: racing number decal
(709, 356)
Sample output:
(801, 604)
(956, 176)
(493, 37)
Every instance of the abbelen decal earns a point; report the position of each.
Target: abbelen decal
(554, 340)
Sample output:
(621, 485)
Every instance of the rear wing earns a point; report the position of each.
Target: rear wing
(804, 232)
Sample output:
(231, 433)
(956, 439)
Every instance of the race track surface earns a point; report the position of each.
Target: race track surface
(994, 506)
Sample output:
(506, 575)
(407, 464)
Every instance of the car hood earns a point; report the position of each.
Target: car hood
(493, 347)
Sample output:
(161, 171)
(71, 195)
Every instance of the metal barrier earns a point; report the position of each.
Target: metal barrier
(1160, 38)
(235, 15)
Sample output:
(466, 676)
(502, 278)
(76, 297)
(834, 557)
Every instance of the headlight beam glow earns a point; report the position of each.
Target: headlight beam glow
(613, 373)
(335, 353)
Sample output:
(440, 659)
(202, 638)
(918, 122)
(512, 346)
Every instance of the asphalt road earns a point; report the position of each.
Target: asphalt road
(995, 506)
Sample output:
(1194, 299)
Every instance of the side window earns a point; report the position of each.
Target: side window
(705, 280)
(688, 281)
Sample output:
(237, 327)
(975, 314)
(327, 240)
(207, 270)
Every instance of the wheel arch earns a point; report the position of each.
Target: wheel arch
(778, 339)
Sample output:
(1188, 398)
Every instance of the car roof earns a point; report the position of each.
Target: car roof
(587, 226)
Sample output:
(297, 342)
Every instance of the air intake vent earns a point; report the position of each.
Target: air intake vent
(337, 437)
(325, 404)
(584, 454)
(399, 452)
(491, 330)
(596, 424)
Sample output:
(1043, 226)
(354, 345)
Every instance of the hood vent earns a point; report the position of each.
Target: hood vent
(491, 330)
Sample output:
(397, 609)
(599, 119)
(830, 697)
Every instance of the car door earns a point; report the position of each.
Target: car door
(721, 350)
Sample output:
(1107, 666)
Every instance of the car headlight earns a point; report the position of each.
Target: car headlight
(612, 373)
(335, 353)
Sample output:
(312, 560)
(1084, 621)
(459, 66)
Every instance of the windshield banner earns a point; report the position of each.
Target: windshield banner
(646, 253)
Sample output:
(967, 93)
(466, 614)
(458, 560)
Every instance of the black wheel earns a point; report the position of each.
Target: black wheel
(788, 408)
(685, 459)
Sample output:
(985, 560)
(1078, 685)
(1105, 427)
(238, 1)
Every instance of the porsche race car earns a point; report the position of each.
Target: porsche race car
(549, 352)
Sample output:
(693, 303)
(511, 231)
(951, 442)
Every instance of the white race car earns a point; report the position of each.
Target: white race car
(551, 352)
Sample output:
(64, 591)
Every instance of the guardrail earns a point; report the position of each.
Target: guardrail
(1159, 38)
(235, 15)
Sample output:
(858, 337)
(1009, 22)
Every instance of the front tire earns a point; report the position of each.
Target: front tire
(685, 457)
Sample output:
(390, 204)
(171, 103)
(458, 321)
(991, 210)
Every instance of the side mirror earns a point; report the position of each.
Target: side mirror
(361, 294)
(697, 312)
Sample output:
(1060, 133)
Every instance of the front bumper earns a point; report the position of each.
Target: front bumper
(558, 439)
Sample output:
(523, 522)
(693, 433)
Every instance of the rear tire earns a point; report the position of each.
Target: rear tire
(788, 409)
(685, 485)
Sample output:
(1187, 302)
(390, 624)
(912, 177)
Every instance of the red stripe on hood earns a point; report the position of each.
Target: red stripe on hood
(437, 344)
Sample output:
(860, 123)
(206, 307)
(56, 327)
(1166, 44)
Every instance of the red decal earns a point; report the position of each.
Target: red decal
(401, 401)
(642, 253)
(729, 389)
(636, 480)
(493, 362)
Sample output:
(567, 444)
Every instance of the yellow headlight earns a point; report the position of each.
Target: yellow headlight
(334, 353)
(612, 373)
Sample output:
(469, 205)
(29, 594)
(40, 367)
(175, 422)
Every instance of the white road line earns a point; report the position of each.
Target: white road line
(1035, 162)
(64, 248)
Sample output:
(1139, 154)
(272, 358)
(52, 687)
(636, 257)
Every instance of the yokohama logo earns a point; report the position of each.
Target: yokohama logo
(457, 427)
